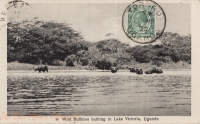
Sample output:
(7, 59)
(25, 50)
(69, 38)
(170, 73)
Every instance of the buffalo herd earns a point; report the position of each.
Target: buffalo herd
(114, 69)
(138, 70)
(42, 69)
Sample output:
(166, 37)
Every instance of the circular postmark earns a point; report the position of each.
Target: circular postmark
(14, 12)
(144, 21)
(19, 10)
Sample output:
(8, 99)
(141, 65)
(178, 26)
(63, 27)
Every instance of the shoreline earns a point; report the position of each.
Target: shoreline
(51, 71)
(95, 73)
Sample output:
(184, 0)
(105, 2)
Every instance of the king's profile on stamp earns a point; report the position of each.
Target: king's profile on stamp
(141, 21)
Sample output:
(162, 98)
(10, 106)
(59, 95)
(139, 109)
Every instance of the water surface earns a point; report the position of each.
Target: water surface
(99, 94)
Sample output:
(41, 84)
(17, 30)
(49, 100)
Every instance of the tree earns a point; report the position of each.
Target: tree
(45, 42)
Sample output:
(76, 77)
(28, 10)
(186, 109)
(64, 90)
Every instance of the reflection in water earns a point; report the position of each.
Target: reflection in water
(111, 95)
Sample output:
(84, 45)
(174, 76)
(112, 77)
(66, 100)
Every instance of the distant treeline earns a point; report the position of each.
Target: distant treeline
(58, 44)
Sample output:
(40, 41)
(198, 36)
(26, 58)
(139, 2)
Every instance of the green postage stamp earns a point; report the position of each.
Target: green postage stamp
(141, 21)
(144, 21)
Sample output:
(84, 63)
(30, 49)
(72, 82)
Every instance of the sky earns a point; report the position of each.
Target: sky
(95, 20)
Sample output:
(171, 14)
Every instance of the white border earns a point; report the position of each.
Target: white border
(195, 87)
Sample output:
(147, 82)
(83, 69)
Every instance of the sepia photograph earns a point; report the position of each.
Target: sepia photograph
(98, 59)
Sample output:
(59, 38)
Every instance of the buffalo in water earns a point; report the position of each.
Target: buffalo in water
(154, 70)
(137, 70)
(133, 69)
(44, 68)
(114, 69)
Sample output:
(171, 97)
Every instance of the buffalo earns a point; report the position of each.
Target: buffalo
(154, 70)
(114, 69)
(133, 69)
(149, 71)
(139, 71)
(157, 70)
(44, 68)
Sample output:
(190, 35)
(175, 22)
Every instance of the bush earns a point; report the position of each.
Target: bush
(158, 63)
(104, 64)
(58, 63)
(84, 62)
(70, 60)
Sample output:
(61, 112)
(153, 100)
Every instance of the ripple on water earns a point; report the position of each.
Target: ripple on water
(112, 95)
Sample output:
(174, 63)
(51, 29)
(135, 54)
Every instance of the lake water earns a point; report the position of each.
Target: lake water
(99, 94)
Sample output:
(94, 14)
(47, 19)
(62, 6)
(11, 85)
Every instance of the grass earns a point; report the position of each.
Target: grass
(178, 65)
(25, 66)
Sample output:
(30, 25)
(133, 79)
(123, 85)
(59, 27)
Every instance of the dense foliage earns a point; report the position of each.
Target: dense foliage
(58, 44)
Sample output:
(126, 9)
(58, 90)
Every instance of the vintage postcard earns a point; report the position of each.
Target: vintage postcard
(100, 61)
